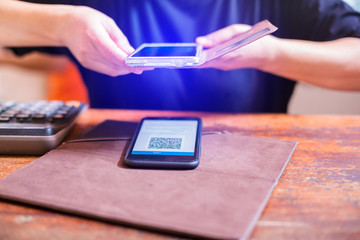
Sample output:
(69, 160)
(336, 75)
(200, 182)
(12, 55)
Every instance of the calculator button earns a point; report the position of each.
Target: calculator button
(22, 116)
(58, 117)
(39, 116)
(61, 112)
(8, 115)
(5, 119)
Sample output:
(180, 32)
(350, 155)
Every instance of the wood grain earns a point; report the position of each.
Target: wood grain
(317, 197)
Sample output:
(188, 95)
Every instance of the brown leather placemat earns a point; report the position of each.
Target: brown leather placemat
(222, 198)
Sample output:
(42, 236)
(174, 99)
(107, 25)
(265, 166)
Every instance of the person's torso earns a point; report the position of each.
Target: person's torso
(185, 89)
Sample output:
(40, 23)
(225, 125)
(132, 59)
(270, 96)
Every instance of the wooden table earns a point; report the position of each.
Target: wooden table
(317, 197)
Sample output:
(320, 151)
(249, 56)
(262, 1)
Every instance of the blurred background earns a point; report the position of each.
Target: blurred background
(308, 99)
(36, 77)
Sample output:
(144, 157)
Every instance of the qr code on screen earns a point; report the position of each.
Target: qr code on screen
(165, 143)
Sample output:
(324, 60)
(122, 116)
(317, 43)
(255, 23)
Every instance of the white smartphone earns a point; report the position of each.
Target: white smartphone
(183, 55)
(165, 55)
(166, 143)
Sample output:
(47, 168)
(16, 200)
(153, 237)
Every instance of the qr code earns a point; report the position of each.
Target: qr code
(165, 143)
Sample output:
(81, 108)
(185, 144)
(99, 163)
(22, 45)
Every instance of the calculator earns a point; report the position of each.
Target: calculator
(35, 127)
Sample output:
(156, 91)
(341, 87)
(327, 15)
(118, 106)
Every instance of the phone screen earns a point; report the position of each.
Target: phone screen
(166, 137)
(167, 51)
(166, 143)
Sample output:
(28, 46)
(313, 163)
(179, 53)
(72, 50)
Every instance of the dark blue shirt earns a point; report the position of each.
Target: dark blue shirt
(245, 90)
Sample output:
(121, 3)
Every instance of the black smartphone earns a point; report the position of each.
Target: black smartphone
(166, 143)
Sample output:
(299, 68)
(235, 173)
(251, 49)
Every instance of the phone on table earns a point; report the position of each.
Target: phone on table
(183, 55)
(166, 143)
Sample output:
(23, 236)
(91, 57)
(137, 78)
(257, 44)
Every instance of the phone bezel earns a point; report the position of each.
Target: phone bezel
(165, 161)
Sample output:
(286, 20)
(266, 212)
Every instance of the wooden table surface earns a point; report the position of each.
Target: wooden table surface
(317, 197)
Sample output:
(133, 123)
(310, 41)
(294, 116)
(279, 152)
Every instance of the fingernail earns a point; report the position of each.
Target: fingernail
(203, 40)
(137, 71)
(131, 49)
(128, 49)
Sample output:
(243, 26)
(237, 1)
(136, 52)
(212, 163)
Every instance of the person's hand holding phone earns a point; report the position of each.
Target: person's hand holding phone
(253, 55)
(96, 41)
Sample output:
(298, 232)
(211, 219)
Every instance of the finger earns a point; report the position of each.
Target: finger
(95, 61)
(119, 38)
(100, 67)
(141, 70)
(209, 64)
(222, 35)
(98, 64)
(119, 66)
(137, 70)
(205, 41)
(107, 48)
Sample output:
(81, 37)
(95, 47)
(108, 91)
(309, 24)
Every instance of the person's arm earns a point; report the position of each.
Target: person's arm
(333, 64)
(92, 37)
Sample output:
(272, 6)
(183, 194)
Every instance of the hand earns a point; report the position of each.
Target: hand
(96, 41)
(254, 55)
